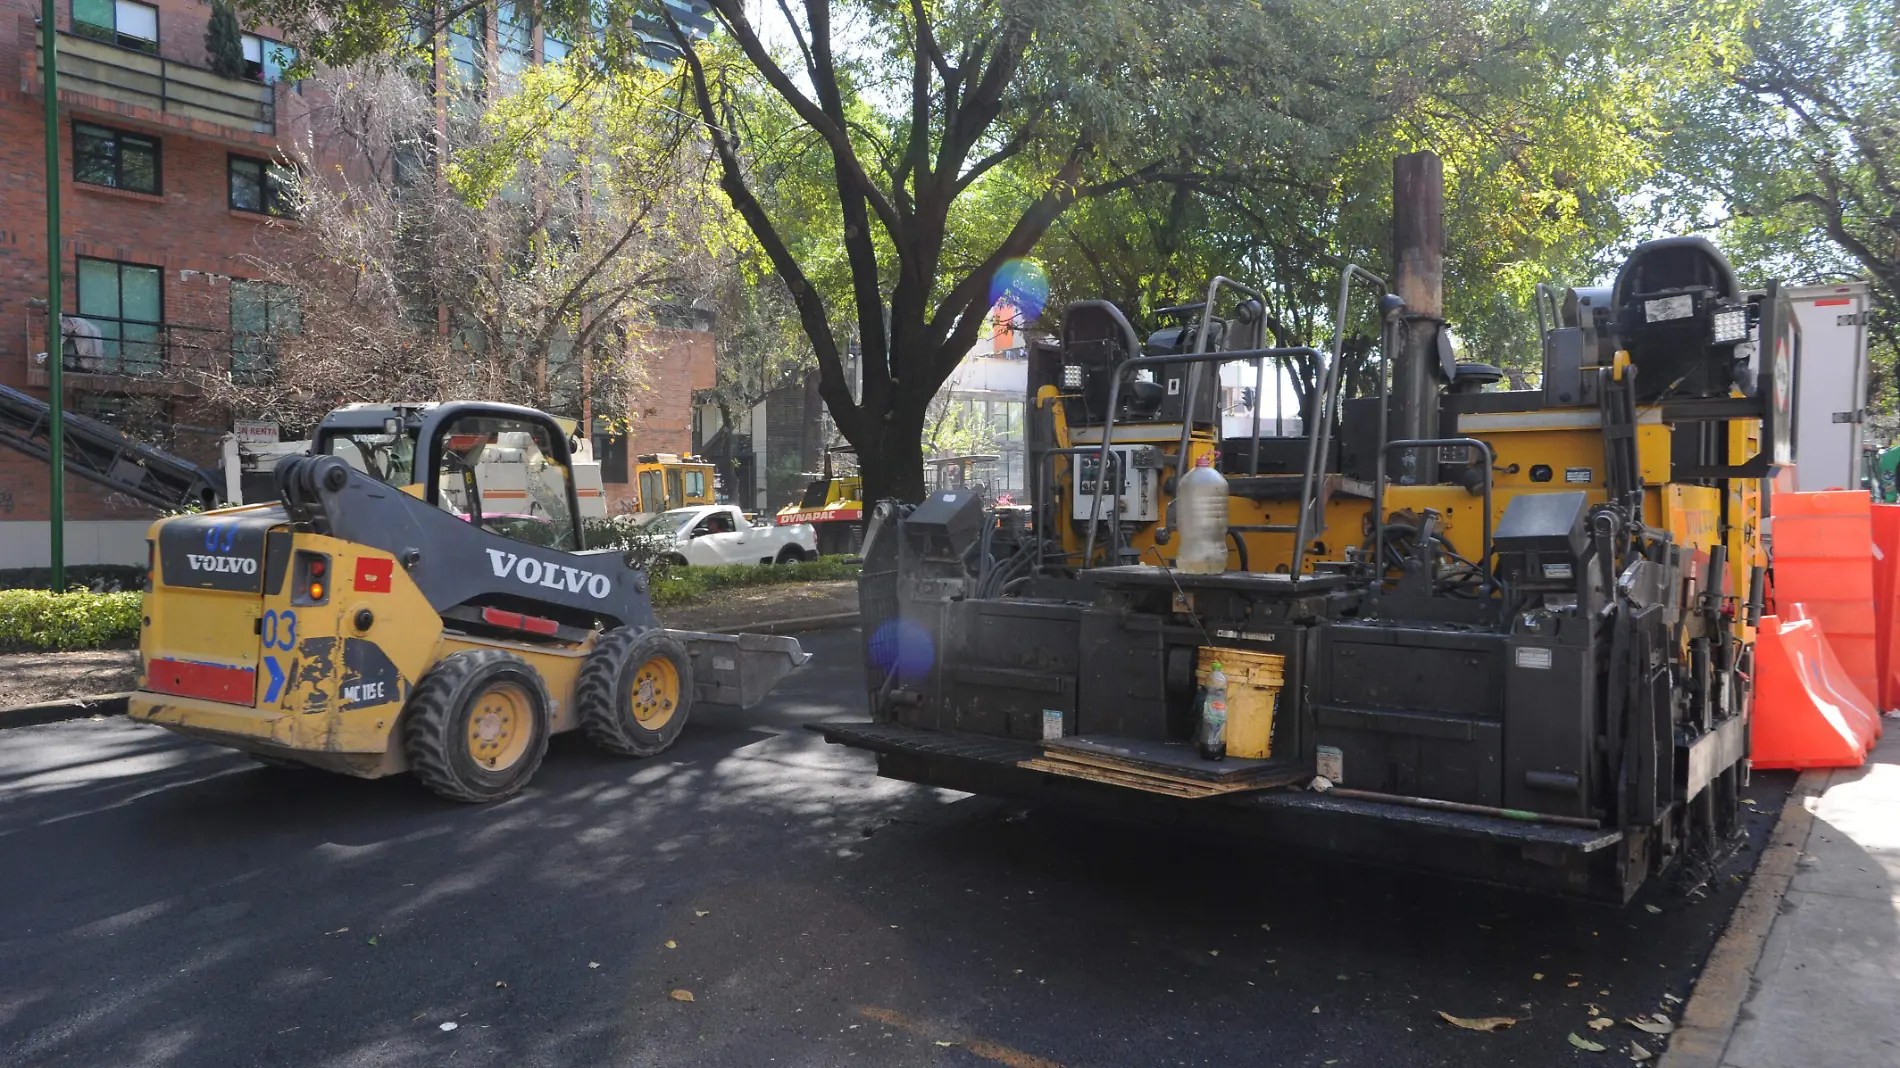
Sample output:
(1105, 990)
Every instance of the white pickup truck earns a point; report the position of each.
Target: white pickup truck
(721, 534)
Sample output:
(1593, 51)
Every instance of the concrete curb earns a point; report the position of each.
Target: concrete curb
(794, 625)
(1715, 1006)
(109, 704)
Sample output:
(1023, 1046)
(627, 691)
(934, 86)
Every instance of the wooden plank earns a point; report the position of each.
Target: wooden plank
(1263, 778)
(1171, 758)
(1114, 778)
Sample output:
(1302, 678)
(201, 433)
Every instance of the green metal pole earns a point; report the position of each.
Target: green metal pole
(55, 344)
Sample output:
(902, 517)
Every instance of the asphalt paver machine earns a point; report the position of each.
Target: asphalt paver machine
(1503, 635)
(382, 616)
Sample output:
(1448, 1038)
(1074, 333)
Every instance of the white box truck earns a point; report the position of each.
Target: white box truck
(1830, 384)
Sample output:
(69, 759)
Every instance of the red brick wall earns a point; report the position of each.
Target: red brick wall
(676, 362)
(188, 230)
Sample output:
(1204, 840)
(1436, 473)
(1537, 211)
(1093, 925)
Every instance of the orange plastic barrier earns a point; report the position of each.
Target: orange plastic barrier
(1808, 712)
(1886, 520)
(1824, 561)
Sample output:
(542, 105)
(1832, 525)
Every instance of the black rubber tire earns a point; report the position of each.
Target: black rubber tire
(790, 554)
(435, 726)
(676, 559)
(604, 694)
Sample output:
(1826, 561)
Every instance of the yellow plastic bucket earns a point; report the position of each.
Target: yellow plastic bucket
(1253, 689)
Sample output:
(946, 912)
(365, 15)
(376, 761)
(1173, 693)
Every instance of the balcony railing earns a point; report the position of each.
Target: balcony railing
(114, 356)
(162, 85)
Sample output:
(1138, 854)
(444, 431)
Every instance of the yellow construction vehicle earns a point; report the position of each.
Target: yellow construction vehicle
(834, 506)
(668, 481)
(381, 616)
(1506, 635)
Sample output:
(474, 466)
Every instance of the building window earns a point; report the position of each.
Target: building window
(259, 186)
(261, 314)
(121, 22)
(553, 49)
(610, 451)
(514, 39)
(265, 60)
(468, 38)
(115, 158)
(123, 303)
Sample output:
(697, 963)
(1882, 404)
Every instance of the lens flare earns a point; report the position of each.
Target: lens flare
(1022, 285)
(904, 645)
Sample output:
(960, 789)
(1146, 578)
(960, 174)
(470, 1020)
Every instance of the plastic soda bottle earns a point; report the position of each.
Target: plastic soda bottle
(1214, 716)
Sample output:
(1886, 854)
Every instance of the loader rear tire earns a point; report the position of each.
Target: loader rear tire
(635, 691)
(476, 726)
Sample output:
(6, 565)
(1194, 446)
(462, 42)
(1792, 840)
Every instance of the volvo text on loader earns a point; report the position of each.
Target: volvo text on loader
(383, 616)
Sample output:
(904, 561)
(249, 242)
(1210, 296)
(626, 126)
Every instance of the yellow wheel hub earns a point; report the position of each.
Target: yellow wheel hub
(656, 693)
(500, 726)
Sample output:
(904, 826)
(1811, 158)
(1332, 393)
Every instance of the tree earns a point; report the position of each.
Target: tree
(1794, 154)
(224, 42)
(517, 257)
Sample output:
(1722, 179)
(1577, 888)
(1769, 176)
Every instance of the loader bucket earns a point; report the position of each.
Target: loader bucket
(739, 669)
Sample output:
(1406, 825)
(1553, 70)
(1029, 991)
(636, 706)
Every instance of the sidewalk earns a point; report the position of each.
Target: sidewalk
(1825, 989)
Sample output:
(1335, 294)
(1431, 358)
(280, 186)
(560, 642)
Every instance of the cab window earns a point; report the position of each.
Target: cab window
(502, 475)
(388, 458)
(673, 496)
(651, 499)
(695, 485)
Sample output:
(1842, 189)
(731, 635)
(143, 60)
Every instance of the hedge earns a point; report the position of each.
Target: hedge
(33, 620)
(679, 585)
(40, 620)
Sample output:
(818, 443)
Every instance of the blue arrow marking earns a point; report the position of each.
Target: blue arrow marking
(276, 680)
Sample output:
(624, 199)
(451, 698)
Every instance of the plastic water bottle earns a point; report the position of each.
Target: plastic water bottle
(1201, 519)
(1213, 743)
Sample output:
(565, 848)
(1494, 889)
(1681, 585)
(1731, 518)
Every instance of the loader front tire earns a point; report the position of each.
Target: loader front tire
(635, 691)
(476, 726)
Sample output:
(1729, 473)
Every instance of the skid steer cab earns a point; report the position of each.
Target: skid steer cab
(395, 612)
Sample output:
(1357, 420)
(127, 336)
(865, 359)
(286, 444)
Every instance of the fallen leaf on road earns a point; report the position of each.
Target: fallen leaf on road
(1584, 1043)
(1639, 1054)
(450, 1025)
(1481, 1023)
(1537, 975)
(499, 984)
(1573, 982)
(945, 1045)
(1657, 1024)
(593, 964)
(1213, 952)
(1316, 1008)
(372, 940)
(1672, 998)
(339, 930)
(670, 944)
(1653, 909)
(701, 912)
(681, 995)
(1266, 927)
(1601, 1022)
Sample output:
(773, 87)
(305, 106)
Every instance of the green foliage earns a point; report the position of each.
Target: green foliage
(682, 585)
(1791, 155)
(43, 620)
(224, 42)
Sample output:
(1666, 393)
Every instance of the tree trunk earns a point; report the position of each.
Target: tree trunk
(893, 466)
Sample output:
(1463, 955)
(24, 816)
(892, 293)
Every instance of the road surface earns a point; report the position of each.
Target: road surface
(168, 903)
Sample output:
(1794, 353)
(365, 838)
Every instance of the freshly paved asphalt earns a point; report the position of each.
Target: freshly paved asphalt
(164, 902)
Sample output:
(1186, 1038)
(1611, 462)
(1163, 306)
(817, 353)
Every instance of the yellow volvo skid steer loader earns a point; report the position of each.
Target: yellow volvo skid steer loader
(384, 616)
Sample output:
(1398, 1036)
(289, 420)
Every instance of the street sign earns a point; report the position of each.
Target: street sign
(255, 431)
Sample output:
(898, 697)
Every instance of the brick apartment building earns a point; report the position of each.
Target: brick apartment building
(167, 185)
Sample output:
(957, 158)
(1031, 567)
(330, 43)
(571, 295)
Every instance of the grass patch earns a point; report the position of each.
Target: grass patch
(41, 620)
(680, 585)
